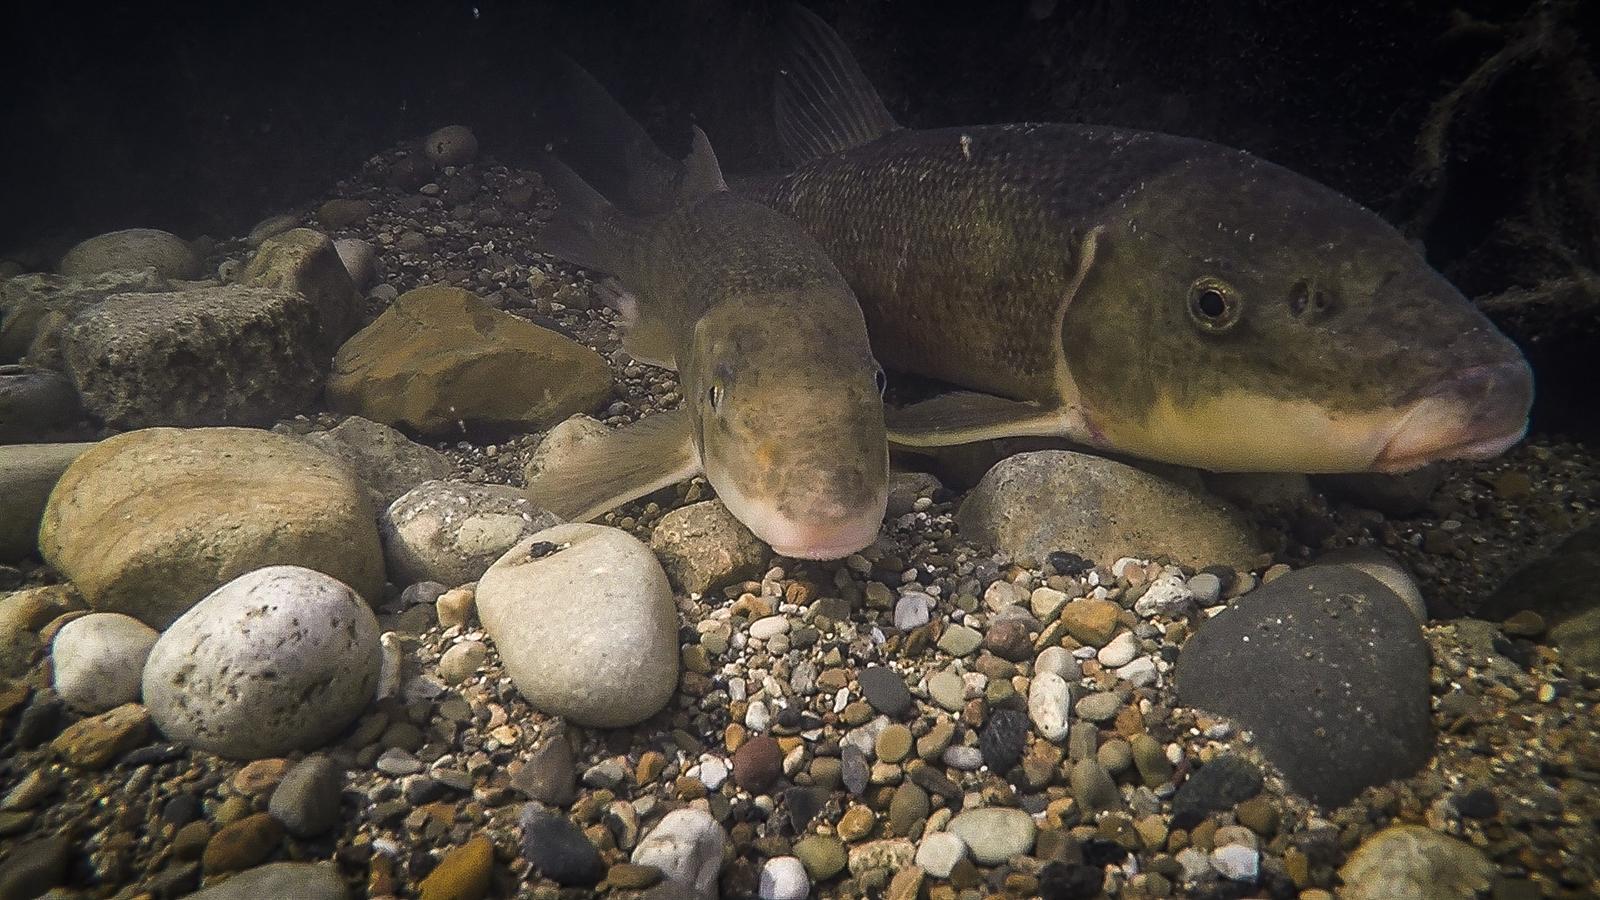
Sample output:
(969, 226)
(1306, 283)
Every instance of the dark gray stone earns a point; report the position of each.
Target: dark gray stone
(558, 849)
(886, 691)
(35, 867)
(1003, 739)
(1227, 780)
(854, 769)
(37, 405)
(302, 881)
(803, 804)
(1348, 669)
(550, 775)
(306, 801)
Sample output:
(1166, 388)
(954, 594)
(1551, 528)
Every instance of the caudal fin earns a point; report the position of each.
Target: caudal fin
(824, 102)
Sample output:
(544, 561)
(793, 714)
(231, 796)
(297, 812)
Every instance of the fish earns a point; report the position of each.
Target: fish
(782, 409)
(1134, 292)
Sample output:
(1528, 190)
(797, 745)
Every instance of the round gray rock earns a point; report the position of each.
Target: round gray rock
(279, 659)
(995, 834)
(687, 847)
(1351, 704)
(452, 531)
(132, 248)
(583, 619)
(306, 801)
(302, 881)
(98, 660)
(1033, 504)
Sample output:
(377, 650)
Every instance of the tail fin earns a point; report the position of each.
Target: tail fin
(587, 229)
(585, 125)
(824, 102)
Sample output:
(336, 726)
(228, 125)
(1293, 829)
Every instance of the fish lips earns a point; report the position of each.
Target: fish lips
(1477, 413)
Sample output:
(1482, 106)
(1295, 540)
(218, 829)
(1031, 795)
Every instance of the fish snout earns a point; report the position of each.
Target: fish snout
(819, 538)
(1475, 413)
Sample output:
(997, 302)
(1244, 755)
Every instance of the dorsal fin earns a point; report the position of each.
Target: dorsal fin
(609, 149)
(701, 174)
(585, 227)
(824, 102)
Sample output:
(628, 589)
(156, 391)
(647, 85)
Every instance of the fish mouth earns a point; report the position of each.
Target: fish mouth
(1477, 413)
(821, 539)
(826, 529)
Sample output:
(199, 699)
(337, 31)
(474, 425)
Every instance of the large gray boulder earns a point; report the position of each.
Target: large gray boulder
(207, 355)
(386, 461)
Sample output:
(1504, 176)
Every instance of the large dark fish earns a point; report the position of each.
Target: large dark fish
(1138, 292)
(782, 405)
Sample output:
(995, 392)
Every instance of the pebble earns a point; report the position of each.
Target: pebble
(994, 834)
(1121, 651)
(1049, 706)
(242, 844)
(1141, 672)
(912, 610)
(1214, 787)
(452, 145)
(1351, 710)
(463, 874)
(908, 807)
(686, 845)
(939, 853)
(1236, 862)
(713, 772)
(947, 690)
(891, 854)
(1099, 707)
(550, 775)
(854, 770)
(1093, 787)
(768, 627)
(299, 880)
(823, 855)
(1009, 640)
(34, 867)
(758, 764)
(97, 661)
(306, 801)
(1091, 622)
(93, 743)
(1150, 758)
(558, 849)
(1168, 595)
(885, 690)
(893, 744)
(963, 758)
(1002, 740)
(1060, 661)
(1413, 861)
(462, 660)
(959, 640)
(784, 878)
(397, 762)
(1206, 589)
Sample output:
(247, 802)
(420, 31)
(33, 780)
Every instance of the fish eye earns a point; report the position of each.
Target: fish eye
(1213, 304)
(714, 396)
(881, 380)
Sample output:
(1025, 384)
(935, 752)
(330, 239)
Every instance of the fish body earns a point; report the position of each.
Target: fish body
(782, 405)
(1134, 291)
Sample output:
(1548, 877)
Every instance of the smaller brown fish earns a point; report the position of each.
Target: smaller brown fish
(783, 408)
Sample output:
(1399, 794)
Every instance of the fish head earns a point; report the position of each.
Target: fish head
(1239, 317)
(789, 413)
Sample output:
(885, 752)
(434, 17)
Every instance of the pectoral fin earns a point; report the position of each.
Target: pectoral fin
(647, 338)
(964, 417)
(606, 472)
